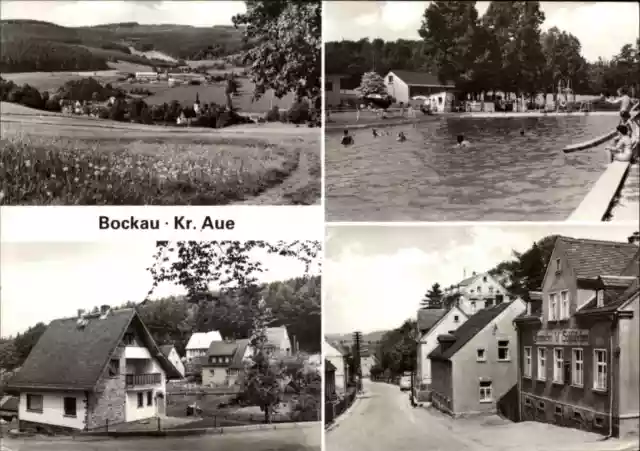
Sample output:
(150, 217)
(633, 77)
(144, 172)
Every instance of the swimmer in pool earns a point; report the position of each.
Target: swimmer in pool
(347, 139)
(462, 142)
(522, 132)
(374, 132)
(401, 137)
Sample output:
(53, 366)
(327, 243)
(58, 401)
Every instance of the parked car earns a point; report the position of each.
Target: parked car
(405, 383)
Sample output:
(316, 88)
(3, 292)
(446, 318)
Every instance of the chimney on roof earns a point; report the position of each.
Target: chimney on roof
(104, 309)
(635, 238)
(446, 341)
(80, 313)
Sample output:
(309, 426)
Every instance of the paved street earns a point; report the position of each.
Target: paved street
(385, 420)
(305, 439)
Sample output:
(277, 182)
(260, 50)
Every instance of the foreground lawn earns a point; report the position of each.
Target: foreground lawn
(117, 170)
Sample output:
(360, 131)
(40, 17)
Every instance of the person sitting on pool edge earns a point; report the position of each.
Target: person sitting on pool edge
(622, 149)
(462, 142)
(347, 139)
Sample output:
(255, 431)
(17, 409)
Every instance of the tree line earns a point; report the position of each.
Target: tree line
(397, 351)
(293, 303)
(504, 50)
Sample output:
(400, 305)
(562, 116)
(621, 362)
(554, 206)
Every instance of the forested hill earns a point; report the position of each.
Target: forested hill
(29, 45)
(295, 303)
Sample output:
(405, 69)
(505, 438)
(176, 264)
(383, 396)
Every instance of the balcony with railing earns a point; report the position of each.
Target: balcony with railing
(135, 380)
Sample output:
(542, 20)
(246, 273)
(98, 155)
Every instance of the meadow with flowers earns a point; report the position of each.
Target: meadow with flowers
(53, 160)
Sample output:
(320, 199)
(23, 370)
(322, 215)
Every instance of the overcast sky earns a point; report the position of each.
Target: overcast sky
(602, 27)
(44, 281)
(375, 276)
(87, 13)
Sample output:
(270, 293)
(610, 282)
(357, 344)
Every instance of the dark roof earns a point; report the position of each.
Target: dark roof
(616, 281)
(468, 330)
(237, 362)
(467, 281)
(427, 318)
(592, 258)
(166, 349)
(235, 349)
(73, 358)
(613, 299)
(328, 366)
(222, 348)
(419, 78)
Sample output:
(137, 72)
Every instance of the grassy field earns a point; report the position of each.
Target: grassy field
(49, 159)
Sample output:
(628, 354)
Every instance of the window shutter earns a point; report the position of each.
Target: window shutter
(567, 372)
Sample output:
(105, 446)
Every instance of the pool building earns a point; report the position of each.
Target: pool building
(578, 341)
(404, 85)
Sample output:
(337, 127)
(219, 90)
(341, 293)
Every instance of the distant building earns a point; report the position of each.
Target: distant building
(579, 339)
(172, 355)
(473, 368)
(198, 346)
(431, 324)
(404, 85)
(84, 372)
(278, 341)
(332, 89)
(224, 363)
(477, 292)
(146, 76)
(329, 379)
(336, 357)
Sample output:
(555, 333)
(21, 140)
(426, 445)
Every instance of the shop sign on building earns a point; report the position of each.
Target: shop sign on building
(578, 337)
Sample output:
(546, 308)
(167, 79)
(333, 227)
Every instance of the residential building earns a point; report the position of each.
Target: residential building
(329, 379)
(278, 341)
(332, 89)
(404, 85)
(224, 364)
(578, 340)
(473, 368)
(198, 346)
(431, 324)
(172, 355)
(367, 360)
(91, 370)
(146, 75)
(477, 292)
(333, 354)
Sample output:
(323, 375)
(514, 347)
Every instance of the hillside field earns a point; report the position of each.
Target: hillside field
(51, 159)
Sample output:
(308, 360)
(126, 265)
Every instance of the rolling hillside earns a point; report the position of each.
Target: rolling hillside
(29, 45)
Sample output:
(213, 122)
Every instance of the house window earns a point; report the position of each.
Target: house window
(473, 306)
(114, 367)
(600, 369)
(390, 78)
(564, 305)
(485, 392)
(34, 403)
(503, 350)
(559, 410)
(540, 405)
(527, 361)
(484, 279)
(600, 298)
(578, 366)
(480, 355)
(129, 339)
(69, 405)
(553, 305)
(479, 289)
(499, 298)
(140, 400)
(527, 401)
(598, 422)
(149, 398)
(456, 318)
(542, 364)
(558, 266)
(558, 365)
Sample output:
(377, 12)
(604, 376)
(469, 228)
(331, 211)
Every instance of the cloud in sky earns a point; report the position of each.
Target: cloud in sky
(44, 281)
(87, 13)
(375, 276)
(602, 27)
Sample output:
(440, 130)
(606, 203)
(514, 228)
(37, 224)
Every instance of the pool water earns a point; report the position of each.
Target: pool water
(502, 176)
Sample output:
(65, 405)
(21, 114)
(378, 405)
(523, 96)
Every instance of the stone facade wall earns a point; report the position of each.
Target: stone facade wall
(108, 403)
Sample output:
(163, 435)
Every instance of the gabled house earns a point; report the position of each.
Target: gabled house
(405, 85)
(172, 355)
(87, 371)
(224, 364)
(579, 339)
(473, 368)
(334, 355)
(278, 341)
(477, 292)
(329, 380)
(431, 324)
(333, 90)
(198, 346)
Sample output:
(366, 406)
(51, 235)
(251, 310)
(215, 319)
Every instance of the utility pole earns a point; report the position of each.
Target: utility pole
(357, 339)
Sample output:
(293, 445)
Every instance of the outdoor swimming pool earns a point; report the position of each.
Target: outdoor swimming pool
(502, 176)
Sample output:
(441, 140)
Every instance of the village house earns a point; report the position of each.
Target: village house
(431, 324)
(330, 391)
(224, 363)
(404, 85)
(367, 359)
(477, 292)
(579, 339)
(333, 90)
(91, 370)
(335, 356)
(278, 341)
(473, 368)
(198, 346)
(172, 355)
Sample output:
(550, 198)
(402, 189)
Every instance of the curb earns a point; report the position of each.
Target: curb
(347, 413)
